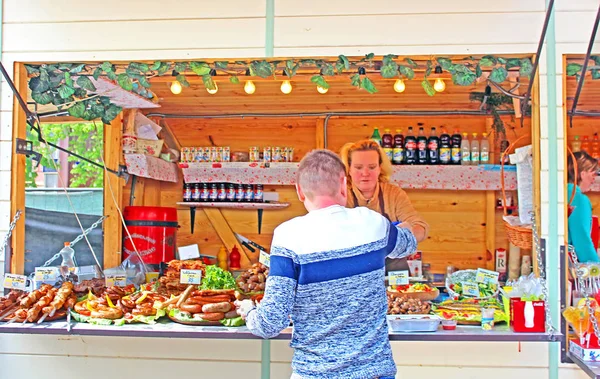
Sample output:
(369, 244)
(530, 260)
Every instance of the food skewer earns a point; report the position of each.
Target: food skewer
(42, 318)
(69, 319)
(8, 312)
(183, 297)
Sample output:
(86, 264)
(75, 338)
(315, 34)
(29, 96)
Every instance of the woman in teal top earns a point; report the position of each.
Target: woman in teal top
(580, 220)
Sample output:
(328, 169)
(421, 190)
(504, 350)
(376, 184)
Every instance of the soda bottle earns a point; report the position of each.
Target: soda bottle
(187, 192)
(475, 150)
(455, 146)
(410, 147)
(398, 150)
(576, 145)
(387, 143)
(585, 145)
(445, 148)
(196, 192)
(595, 147)
(421, 147)
(465, 149)
(484, 154)
(433, 143)
(376, 136)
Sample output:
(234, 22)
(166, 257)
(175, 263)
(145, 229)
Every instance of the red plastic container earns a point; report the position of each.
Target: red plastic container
(154, 232)
(595, 231)
(517, 316)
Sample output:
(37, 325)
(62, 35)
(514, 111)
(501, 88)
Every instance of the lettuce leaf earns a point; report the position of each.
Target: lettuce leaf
(149, 319)
(233, 322)
(216, 278)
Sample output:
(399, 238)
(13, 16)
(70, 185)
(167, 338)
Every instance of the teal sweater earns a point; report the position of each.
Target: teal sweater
(580, 226)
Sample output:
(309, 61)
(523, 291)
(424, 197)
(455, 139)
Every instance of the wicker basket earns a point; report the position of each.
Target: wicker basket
(520, 236)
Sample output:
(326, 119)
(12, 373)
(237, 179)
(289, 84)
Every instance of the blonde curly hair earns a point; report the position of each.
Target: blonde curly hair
(366, 145)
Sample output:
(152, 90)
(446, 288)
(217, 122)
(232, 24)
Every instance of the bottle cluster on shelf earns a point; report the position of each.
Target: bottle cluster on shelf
(271, 154)
(445, 149)
(205, 154)
(222, 192)
(591, 147)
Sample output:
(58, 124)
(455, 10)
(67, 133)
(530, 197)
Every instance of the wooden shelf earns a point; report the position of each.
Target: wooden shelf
(146, 166)
(475, 178)
(235, 205)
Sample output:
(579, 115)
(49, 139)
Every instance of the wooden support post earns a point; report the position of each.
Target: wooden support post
(130, 125)
(320, 134)
(112, 225)
(227, 236)
(537, 163)
(138, 191)
(17, 195)
(516, 102)
(490, 229)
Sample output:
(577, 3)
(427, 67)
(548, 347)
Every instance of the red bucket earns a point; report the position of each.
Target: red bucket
(154, 232)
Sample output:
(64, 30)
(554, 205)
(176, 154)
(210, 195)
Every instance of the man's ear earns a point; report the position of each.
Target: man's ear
(344, 187)
(300, 194)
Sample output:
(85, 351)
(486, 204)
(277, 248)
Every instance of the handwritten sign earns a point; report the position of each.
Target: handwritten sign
(113, 280)
(190, 276)
(16, 282)
(264, 258)
(486, 276)
(398, 278)
(46, 274)
(151, 276)
(470, 289)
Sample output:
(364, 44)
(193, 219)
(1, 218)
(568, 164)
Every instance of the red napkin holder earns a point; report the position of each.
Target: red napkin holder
(517, 316)
(595, 231)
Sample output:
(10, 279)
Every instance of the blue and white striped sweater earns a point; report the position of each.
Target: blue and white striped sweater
(335, 296)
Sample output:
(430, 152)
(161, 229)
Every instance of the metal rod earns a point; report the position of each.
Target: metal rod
(325, 123)
(584, 68)
(41, 139)
(132, 195)
(584, 113)
(509, 92)
(525, 103)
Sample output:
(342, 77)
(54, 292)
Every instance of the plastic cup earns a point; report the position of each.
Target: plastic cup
(487, 318)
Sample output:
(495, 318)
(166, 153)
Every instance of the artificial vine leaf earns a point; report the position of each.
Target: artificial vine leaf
(36, 84)
(445, 63)
(328, 69)
(32, 69)
(80, 93)
(526, 67)
(68, 80)
(342, 64)
(573, 68)
(141, 67)
(209, 83)
(41, 98)
(199, 68)
(262, 69)
(110, 113)
(426, 84)
(65, 66)
(368, 57)
(97, 73)
(307, 61)
(406, 71)
(77, 110)
(498, 74)
(355, 80)
(97, 109)
(411, 62)
(77, 69)
(428, 69)
(234, 79)
(107, 67)
(181, 67)
(463, 78)
(105, 100)
(182, 80)
(156, 65)
(290, 69)
(487, 61)
(164, 67)
(125, 82)
(387, 59)
(595, 74)
(221, 64)
(144, 82)
(502, 60)
(596, 59)
(320, 81)
(111, 75)
(478, 71)
(389, 70)
(513, 62)
(368, 85)
(65, 91)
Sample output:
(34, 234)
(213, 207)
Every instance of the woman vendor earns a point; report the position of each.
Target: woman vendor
(580, 218)
(369, 171)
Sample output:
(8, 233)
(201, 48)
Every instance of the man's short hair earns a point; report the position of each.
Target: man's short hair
(319, 173)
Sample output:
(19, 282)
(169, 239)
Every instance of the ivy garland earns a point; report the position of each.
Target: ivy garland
(574, 69)
(54, 83)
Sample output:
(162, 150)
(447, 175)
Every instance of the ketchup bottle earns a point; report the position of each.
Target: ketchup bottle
(234, 259)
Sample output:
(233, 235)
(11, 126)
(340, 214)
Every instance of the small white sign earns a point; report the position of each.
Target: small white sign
(264, 258)
(190, 276)
(398, 278)
(46, 274)
(16, 282)
(189, 252)
(113, 280)
(470, 289)
(486, 276)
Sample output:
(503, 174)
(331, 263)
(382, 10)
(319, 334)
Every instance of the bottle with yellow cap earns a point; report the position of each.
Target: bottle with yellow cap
(222, 258)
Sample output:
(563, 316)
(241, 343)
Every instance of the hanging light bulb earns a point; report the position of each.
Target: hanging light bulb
(213, 91)
(286, 87)
(439, 85)
(399, 86)
(322, 90)
(176, 87)
(249, 87)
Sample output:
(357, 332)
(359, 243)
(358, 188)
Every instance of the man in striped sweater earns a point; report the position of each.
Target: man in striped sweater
(327, 273)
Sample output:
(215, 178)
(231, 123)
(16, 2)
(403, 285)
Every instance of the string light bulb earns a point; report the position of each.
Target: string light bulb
(176, 87)
(213, 91)
(322, 90)
(399, 86)
(249, 87)
(439, 85)
(286, 87)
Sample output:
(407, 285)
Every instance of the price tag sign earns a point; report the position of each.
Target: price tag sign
(190, 276)
(151, 276)
(265, 258)
(398, 278)
(470, 289)
(113, 280)
(46, 274)
(16, 282)
(486, 276)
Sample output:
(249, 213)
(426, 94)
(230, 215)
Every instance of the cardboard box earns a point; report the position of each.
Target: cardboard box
(590, 355)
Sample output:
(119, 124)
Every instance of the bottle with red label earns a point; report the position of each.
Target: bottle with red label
(234, 259)
(595, 147)
(398, 150)
(410, 147)
(445, 148)
(585, 144)
(387, 143)
(422, 147)
(433, 145)
(455, 146)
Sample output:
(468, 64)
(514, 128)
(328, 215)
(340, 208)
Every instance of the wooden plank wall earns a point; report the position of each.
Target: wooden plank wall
(457, 218)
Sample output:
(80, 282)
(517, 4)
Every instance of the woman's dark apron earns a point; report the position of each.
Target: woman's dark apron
(390, 264)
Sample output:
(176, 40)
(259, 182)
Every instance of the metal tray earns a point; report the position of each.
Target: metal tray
(413, 323)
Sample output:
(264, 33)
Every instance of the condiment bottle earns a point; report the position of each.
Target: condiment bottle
(234, 259)
(222, 258)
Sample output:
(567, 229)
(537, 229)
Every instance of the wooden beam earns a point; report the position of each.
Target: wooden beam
(320, 134)
(490, 229)
(130, 125)
(17, 194)
(168, 135)
(226, 234)
(112, 225)
(516, 102)
(139, 191)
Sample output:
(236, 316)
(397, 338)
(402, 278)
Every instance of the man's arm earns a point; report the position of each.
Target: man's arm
(401, 241)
